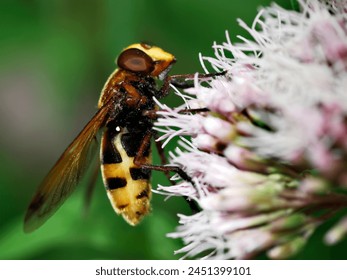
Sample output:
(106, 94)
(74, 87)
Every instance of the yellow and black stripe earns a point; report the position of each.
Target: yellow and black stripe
(127, 185)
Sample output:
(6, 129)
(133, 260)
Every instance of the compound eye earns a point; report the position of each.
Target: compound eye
(135, 60)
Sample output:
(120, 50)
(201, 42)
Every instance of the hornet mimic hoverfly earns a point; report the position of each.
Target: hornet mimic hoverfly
(126, 110)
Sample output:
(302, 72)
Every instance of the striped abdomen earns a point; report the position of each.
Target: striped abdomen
(127, 185)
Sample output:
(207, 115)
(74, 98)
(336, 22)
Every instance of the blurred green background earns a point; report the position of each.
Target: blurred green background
(54, 59)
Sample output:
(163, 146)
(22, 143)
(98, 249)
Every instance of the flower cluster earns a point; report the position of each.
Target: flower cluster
(268, 158)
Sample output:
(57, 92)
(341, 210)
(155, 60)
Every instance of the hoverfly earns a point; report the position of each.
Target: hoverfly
(125, 114)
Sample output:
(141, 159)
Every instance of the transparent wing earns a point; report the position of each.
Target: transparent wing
(65, 175)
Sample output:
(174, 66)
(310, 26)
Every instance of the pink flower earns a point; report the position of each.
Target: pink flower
(269, 158)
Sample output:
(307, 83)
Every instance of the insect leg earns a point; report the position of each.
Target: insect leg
(181, 81)
(152, 114)
(138, 160)
(166, 169)
(161, 153)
